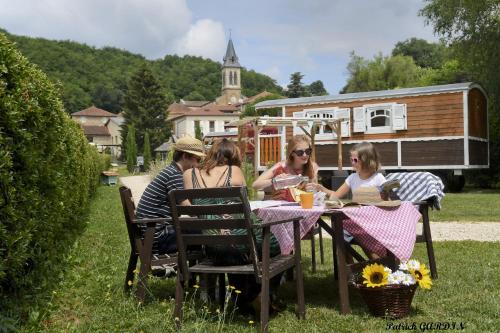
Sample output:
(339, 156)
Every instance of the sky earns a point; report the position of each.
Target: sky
(273, 37)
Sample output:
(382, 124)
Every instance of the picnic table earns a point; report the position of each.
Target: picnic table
(386, 231)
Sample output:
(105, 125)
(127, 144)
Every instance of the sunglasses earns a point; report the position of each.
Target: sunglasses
(301, 152)
(354, 160)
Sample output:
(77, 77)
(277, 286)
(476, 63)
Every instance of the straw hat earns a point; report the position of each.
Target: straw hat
(370, 196)
(190, 145)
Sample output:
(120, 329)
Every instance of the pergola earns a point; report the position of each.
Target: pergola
(307, 125)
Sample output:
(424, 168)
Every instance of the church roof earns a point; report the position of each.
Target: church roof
(230, 59)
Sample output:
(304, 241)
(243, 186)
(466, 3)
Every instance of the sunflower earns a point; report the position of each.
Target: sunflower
(422, 277)
(375, 276)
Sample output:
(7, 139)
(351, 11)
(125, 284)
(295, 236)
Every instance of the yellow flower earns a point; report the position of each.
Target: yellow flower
(238, 291)
(422, 277)
(251, 322)
(232, 287)
(196, 286)
(176, 319)
(129, 282)
(375, 276)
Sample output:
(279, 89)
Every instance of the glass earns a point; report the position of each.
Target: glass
(301, 152)
(354, 160)
(307, 200)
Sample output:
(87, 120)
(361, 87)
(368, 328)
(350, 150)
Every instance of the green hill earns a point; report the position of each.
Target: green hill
(89, 75)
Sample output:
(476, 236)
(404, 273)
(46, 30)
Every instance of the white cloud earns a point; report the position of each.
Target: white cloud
(204, 38)
(149, 27)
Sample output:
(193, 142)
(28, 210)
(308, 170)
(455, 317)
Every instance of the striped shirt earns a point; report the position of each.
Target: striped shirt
(155, 202)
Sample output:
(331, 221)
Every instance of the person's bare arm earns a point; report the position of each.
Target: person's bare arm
(340, 193)
(188, 184)
(237, 177)
(264, 181)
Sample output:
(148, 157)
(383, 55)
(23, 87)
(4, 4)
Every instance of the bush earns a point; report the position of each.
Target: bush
(47, 173)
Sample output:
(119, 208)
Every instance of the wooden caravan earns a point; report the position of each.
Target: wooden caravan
(441, 127)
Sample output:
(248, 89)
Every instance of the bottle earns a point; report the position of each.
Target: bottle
(280, 183)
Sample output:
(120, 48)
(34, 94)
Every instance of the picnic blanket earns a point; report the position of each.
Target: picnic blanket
(417, 186)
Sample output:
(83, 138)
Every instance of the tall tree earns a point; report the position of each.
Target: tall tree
(131, 150)
(272, 112)
(146, 151)
(381, 73)
(424, 53)
(145, 107)
(472, 29)
(296, 88)
(317, 88)
(198, 134)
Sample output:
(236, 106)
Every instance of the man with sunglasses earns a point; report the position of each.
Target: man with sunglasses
(155, 203)
(298, 162)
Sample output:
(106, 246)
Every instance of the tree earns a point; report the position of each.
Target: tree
(472, 29)
(146, 151)
(197, 130)
(381, 73)
(131, 150)
(296, 88)
(317, 88)
(272, 112)
(145, 107)
(424, 54)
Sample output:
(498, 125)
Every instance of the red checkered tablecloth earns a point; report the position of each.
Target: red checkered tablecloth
(374, 228)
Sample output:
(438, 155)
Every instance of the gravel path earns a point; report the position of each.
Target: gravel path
(441, 231)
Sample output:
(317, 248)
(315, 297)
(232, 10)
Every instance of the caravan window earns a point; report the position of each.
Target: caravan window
(378, 118)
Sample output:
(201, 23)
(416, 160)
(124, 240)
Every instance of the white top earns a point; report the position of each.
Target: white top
(354, 181)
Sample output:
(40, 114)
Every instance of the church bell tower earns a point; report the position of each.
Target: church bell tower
(231, 77)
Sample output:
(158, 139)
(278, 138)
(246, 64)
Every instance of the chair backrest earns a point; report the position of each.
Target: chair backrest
(418, 186)
(194, 218)
(134, 231)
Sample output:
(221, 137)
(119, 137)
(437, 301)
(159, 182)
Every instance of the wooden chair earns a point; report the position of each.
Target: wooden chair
(414, 186)
(263, 269)
(141, 245)
(316, 230)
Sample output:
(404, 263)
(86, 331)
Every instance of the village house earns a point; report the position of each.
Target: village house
(102, 128)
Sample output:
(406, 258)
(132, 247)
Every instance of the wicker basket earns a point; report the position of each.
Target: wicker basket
(392, 301)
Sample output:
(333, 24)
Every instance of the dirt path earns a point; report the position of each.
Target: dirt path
(441, 231)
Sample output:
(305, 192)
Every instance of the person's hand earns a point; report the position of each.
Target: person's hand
(282, 175)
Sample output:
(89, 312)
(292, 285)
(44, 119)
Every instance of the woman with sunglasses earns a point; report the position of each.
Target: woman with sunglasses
(365, 161)
(298, 162)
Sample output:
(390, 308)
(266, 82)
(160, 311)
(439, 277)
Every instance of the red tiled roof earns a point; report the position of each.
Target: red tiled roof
(95, 130)
(194, 103)
(94, 112)
(177, 110)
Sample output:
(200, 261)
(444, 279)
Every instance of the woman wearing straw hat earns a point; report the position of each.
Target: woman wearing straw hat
(154, 202)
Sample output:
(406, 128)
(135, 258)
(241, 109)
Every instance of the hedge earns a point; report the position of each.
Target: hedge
(48, 172)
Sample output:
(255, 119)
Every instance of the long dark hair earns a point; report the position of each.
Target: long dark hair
(223, 152)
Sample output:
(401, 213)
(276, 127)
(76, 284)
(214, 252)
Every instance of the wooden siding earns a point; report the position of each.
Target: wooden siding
(477, 114)
(428, 116)
(326, 155)
(436, 152)
(478, 152)
(270, 152)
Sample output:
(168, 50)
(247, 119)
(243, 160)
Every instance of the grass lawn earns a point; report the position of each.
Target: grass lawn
(90, 297)
(470, 205)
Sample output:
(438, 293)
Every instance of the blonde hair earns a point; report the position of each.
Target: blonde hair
(307, 169)
(222, 152)
(368, 156)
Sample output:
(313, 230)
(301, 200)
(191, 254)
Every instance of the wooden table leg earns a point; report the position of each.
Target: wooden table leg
(340, 252)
